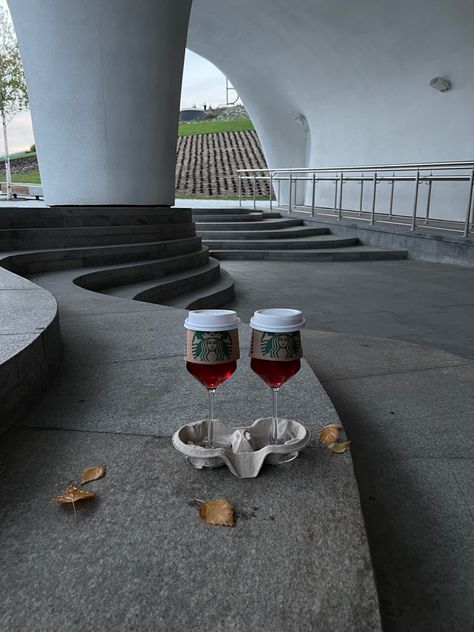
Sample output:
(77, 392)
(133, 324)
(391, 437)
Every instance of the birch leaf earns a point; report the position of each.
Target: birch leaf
(217, 512)
(73, 494)
(339, 447)
(329, 434)
(92, 474)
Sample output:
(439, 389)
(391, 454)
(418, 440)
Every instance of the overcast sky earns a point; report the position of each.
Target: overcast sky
(202, 83)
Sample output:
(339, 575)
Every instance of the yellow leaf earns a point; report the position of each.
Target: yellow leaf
(92, 474)
(218, 512)
(73, 494)
(339, 447)
(329, 434)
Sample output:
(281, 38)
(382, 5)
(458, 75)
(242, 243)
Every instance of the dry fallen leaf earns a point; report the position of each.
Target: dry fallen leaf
(329, 435)
(73, 494)
(92, 474)
(218, 511)
(339, 447)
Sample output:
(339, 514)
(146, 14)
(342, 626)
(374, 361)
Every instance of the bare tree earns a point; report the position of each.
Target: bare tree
(13, 93)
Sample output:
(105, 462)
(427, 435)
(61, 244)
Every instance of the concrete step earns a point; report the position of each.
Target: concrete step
(209, 296)
(62, 216)
(61, 259)
(283, 233)
(244, 217)
(265, 224)
(305, 243)
(41, 238)
(170, 286)
(142, 272)
(354, 253)
(217, 212)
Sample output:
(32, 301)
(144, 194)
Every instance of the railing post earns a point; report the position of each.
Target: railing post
(469, 203)
(361, 198)
(254, 189)
(279, 192)
(290, 191)
(428, 201)
(271, 191)
(335, 195)
(313, 196)
(341, 181)
(390, 211)
(372, 214)
(240, 189)
(415, 201)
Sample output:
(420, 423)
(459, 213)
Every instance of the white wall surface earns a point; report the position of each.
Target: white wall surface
(104, 79)
(358, 72)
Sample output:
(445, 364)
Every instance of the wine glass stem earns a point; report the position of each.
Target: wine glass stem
(210, 424)
(274, 435)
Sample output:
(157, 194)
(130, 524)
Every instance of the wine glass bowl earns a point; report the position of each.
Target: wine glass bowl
(212, 351)
(276, 353)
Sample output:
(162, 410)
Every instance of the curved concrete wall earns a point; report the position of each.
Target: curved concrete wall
(104, 79)
(30, 343)
(357, 72)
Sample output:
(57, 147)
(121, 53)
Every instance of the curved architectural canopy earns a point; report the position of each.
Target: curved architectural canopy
(326, 83)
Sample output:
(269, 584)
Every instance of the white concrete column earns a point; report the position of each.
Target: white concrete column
(104, 79)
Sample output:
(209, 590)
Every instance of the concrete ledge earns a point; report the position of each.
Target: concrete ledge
(30, 344)
(427, 246)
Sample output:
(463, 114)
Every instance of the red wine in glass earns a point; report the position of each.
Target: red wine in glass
(211, 375)
(275, 372)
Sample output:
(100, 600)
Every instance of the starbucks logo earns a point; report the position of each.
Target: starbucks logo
(285, 346)
(212, 346)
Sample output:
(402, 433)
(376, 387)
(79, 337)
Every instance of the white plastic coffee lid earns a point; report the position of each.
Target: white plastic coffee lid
(278, 320)
(212, 320)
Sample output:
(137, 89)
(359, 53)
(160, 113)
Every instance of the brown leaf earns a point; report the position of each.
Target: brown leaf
(73, 494)
(92, 474)
(339, 447)
(218, 511)
(329, 434)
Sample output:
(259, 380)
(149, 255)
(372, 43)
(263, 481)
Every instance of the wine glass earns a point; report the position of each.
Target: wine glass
(275, 353)
(212, 351)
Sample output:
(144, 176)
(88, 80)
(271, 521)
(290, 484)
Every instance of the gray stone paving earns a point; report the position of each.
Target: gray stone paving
(138, 557)
(408, 410)
(414, 301)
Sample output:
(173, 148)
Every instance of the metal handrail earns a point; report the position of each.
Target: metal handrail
(367, 173)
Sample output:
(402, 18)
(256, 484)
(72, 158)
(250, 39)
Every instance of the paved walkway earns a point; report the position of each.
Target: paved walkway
(138, 558)
(408, 410)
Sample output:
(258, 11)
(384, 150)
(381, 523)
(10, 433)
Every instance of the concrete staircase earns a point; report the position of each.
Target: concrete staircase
(237, 233)
(142, 253)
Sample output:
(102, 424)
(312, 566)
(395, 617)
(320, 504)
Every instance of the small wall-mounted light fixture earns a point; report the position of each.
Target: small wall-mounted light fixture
(441, 84)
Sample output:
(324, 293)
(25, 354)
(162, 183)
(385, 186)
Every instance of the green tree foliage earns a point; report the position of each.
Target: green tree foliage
(13, 93)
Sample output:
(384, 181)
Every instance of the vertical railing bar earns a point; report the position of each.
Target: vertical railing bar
(313, 195)
(361, 199)
(390, 211)
(469, 203)
(428, 201)
(335, 195)
(341, 181)
(374, 195)
(290, 186)
(415, 201)
(240, 189)
(254, 190)
(279, 192)
(271, 191)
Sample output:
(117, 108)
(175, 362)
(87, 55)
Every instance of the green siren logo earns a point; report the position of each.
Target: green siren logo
(212, 346)
(286, 346)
